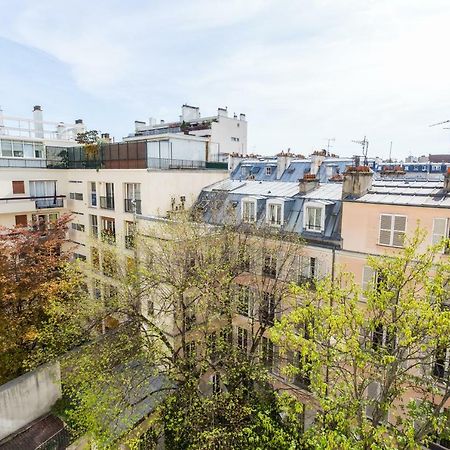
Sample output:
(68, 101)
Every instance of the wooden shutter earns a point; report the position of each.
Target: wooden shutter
(439, 230)
(385, 229)
(18, 187)
(21, 220)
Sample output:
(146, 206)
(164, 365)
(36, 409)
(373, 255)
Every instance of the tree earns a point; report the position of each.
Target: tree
(376, 358)
(173, 303)
(31, 266)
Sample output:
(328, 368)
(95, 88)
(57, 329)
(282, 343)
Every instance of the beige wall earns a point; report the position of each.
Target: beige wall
(361, 223)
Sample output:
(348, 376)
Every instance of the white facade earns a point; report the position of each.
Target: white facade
(227, 134)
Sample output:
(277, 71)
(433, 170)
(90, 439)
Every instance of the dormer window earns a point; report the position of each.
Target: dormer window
(248, 211)
(268, 170)
(314, 217)
(274, 213)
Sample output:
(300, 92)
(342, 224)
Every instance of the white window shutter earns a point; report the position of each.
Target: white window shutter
(399, 231)
(439, 230)
(368, 278)
(385, 229)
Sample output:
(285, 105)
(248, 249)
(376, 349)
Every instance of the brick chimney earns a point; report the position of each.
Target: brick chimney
(308, 183)
(357, 181)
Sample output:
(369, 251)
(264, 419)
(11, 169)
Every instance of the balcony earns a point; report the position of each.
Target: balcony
(51, 202)
(107, 202)
(131, 204)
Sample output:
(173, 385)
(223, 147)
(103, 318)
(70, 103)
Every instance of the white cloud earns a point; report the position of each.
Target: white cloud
(303, 71)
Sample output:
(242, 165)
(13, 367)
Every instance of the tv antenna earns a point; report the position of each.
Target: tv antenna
(440, 123)
(365, 146)
(328, 143)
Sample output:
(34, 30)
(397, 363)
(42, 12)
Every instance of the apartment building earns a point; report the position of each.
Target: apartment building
(214, 137)
(342, 214)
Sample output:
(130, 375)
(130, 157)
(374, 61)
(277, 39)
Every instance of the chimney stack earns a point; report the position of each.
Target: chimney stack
(447, 181)
(283, 161)
(357, 181)
(308, 183)
(38, 122)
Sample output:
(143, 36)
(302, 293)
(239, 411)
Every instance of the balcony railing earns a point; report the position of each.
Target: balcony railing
(53, 202)
(107, 202)
(131, 204)
(166, 163)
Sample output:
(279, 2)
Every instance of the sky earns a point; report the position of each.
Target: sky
(302, 71)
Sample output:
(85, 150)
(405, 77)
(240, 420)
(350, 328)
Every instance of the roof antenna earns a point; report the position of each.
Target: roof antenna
(365, 146)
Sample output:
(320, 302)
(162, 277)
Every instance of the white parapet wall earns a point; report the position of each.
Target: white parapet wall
(28, 397)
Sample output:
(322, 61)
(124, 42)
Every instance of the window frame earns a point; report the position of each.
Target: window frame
(392, 230)
(314, 205)
(280, 217)
(244, 202)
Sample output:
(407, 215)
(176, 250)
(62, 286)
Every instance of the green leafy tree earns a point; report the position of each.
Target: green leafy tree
(376, 358)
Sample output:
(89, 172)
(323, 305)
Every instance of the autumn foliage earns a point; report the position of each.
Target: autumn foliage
(31, 260)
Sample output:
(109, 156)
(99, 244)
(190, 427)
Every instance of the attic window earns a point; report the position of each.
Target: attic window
(274, 213)
(314, 217)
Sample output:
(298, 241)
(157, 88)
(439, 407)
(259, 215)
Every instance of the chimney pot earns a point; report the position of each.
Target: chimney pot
(37, 108)
(79, 121)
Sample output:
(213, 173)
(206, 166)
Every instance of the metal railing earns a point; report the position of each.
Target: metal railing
(45, 203)
(167, 163)
(59, 441)
(107, 202)
(131, 204)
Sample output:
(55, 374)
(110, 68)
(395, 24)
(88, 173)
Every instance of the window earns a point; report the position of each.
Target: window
(130, 231)
(306, 268)
(133, 198)
(268, 170)
(21, 149)
(79, 256)
(18, 149)
(267, 353)
(392, 230)
(93, 194)
(242, 339)
(109, 263)
(235, 139)
(77, 226)
(244, 303)
(18, 187)
(93, 223)
(21, 220)
(249, 211)
(270, 266)
(314, 218)
(267, 309)
(383, 338)
(108, 230)
(107, 201)
(6, 148)
(76, 196)
(189, 317)
(440, 231)
(43, 221)
(275, 214)
(95, 258)
(302, 365)
(441, 362)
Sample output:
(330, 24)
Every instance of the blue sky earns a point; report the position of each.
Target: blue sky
(302, 71)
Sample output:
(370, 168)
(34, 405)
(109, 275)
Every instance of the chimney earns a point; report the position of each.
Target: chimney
(447, 181)
(283, 161)
(79, 126)
(242, 116)
(357, 181)
(233, 160)
(38, 122)
(222, 112)
(60, 129)
(308, 183)
(138, 125)
(105, 137)
(316, 161)
(162, 122)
